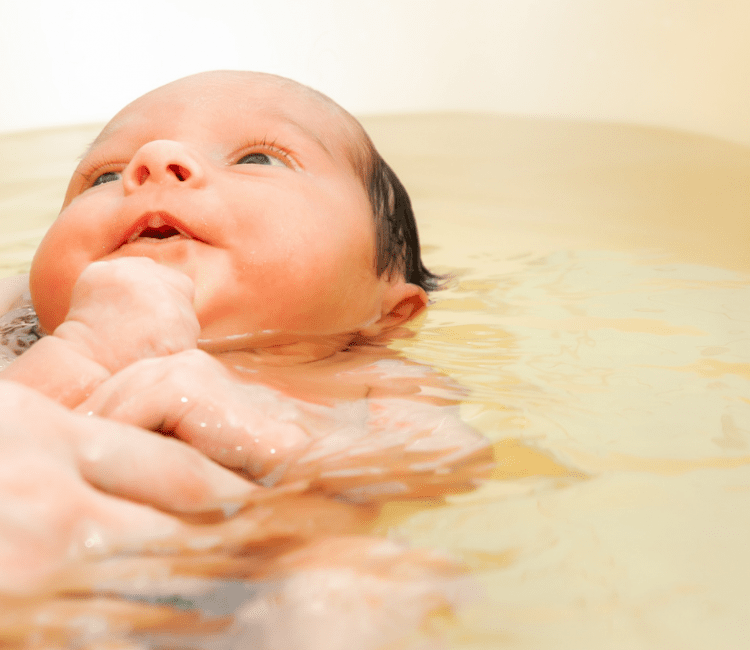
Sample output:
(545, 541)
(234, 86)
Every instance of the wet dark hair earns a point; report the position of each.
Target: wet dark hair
(397, 247)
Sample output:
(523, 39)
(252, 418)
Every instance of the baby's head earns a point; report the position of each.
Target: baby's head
(270, 196)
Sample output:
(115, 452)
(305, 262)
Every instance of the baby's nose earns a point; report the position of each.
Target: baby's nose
(162, 161)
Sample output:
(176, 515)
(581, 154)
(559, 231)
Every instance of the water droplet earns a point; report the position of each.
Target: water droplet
(203, 425)
(238, 447)
(183, 399)
(273, 451)
(94, 540)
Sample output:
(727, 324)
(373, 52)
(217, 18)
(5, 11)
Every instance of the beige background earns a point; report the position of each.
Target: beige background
(678, 63)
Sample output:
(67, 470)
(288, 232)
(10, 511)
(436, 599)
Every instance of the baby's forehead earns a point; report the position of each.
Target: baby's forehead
(253, 93)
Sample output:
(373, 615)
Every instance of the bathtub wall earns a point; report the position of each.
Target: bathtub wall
(676, 63)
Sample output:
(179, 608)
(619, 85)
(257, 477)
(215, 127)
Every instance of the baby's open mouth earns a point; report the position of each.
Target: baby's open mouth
(156, 226)
(163, 232)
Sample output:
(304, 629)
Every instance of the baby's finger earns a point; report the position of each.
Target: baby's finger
(129, 271)
(228, 427)
(141, 466)
(190, 397)
(176, 279)
(146, 391)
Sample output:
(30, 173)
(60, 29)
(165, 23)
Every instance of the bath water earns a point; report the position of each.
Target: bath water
(598, 318)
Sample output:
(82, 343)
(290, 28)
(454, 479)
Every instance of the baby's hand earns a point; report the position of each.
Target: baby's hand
(193, 397)
(366, 450)
(129, 309)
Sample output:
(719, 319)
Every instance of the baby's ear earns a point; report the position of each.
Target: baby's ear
(402, 302)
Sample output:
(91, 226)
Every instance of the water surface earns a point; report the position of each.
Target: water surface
(599, 316)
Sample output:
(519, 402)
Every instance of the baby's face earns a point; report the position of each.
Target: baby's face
(242, 183)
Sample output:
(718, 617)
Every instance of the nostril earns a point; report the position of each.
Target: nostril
(142, 174)
(182, 173)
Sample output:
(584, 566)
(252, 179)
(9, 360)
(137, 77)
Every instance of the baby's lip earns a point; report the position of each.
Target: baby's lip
(157, 226)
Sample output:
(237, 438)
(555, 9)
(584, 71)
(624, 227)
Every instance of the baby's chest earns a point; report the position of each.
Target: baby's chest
(349, 381)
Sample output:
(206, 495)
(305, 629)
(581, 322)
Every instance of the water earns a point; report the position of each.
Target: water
(599, 316)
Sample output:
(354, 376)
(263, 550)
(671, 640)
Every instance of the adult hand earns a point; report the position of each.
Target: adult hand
(73, 484)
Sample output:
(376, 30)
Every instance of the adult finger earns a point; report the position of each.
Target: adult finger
(142, 466)
(43, 531)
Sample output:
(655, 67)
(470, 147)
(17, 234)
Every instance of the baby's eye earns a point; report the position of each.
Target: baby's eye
(107, 177)
(258, 158)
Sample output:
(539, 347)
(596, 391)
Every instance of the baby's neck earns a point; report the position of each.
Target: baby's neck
(276, 356)
(277, 349)
(320, 375)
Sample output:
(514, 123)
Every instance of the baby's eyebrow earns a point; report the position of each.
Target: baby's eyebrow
(117, 124)
(88, 149)
(306, 131)
(110, 127)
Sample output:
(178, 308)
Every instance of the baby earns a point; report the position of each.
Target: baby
(231, 257)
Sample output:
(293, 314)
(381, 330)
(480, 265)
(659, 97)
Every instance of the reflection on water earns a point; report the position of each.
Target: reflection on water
(630, 377)
(634, 356)
(605, 346)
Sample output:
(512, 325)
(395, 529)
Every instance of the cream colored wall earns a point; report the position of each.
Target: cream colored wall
(677, 63)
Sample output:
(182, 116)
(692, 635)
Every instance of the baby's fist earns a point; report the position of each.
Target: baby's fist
(129, 309)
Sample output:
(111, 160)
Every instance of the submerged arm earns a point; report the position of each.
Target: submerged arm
(58, 369)
(398, 448)
(121, 311)
(53, 366)
(367, 449)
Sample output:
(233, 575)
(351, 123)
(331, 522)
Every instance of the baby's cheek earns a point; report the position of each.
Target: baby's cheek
(79, 236)
(50, 294)
(53, 275)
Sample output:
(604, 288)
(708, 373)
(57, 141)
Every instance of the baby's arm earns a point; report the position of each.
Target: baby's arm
(364, 450)
(121, 311)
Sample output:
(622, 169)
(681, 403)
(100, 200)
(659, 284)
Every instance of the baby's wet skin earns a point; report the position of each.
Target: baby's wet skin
(243, 190)
(259, 205)
(211, 277)
(245, 186)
